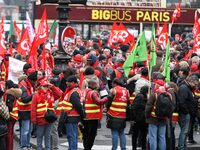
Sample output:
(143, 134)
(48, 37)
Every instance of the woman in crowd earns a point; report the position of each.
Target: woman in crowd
(4, 116)
(11, 96)
(43, 99)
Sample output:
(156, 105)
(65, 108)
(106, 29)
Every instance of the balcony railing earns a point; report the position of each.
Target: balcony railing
(127, 3)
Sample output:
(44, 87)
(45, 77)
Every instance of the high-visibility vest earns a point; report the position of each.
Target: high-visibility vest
(41, 109)
(67, 106)
(3, 72)
(92, 110)
(119, 104)
(24, 106)
(131, 98)
(14, 112)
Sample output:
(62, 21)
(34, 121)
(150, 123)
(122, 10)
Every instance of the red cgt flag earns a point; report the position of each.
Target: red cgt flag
(120, 34)
(177, 12)
(33, 59)
(113, 35)
(44, 60)
(126, 37)
(2, 38)
(163, 37)
(18, 30)
(42, 33)
(24, 44)
(196, 32)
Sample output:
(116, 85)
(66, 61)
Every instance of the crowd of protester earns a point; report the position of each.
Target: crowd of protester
(72, 101)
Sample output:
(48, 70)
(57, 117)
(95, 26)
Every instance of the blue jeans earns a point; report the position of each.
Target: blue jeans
(25, 133)
(115, 134)
(72, 135)
(44, 131)
(157, 136)
(184, 122)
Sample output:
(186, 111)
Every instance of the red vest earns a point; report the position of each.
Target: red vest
(119, 104)
(25, 106)
(42, 108)
(3, 72)
(92, 110)
(67, 106)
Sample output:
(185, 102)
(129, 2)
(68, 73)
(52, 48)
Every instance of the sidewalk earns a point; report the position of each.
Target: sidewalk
(103, 139)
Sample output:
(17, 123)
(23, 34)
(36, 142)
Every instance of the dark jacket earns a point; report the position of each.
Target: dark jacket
(187, 101)
(148, 110)
(25, 115)
(75, 101)
(12, 95)
(138, 106)
(113, 122)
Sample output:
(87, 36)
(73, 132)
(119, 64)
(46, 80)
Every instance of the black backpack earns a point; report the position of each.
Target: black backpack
(163, 105)
(137, 109)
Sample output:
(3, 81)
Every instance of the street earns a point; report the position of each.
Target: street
(103, 139)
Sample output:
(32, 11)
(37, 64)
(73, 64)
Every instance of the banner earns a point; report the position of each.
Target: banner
(15, 69)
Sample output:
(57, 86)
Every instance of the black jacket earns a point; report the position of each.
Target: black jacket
(75, 100)
(187, 101)
(25, 115)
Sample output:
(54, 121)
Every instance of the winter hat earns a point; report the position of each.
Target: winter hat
(72, 78)
(32, 74)
(92, 58)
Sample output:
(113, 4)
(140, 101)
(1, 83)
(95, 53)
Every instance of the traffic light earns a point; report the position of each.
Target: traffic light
(56, 1)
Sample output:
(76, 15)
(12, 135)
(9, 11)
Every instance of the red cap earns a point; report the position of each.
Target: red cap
(77, 58)
(30, 70)
(193, 68)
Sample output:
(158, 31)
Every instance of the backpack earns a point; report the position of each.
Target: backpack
(137, 109)
(163, 105)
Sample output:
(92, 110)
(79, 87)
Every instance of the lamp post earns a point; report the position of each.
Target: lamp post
(61, 58)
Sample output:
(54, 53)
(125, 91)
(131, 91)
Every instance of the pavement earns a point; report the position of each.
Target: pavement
(103, 140)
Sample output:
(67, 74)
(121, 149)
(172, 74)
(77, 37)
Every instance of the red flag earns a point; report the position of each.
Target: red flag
(120, 34)
(196, 32)
(158, 29)
(32, 59)
(163, 38)
(42, 33)
(177, 12)
(44, 60)
(2, 38)
(113, 35)
(125, 36)
(18, 30)
(24, 44)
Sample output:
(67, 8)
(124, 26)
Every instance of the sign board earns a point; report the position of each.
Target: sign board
(15, 69)
(118, 14)
(68, 40)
